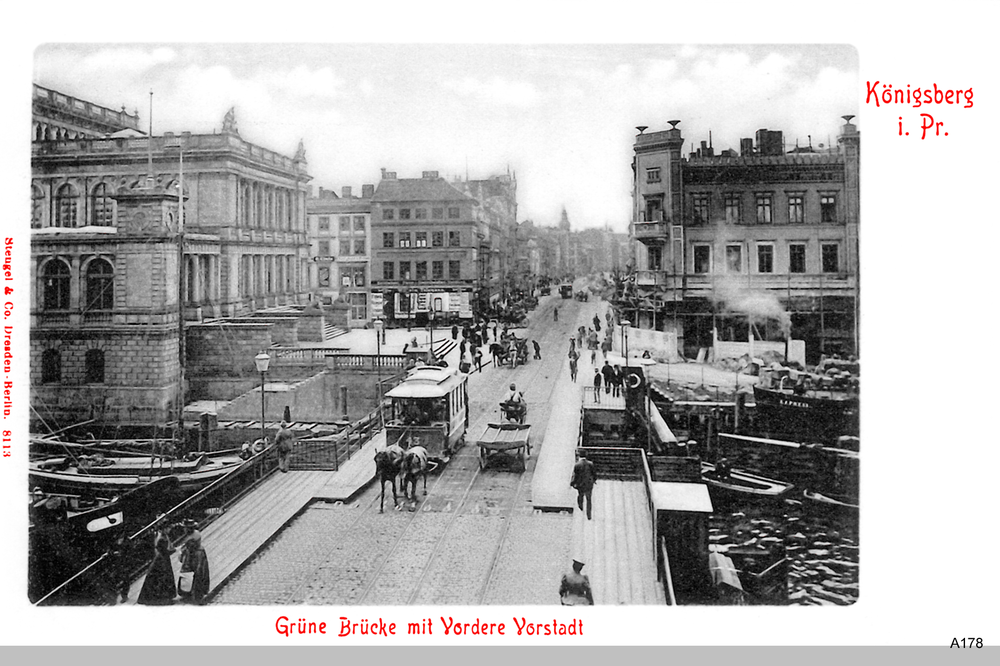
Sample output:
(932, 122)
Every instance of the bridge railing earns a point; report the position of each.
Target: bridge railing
(668, 581)
(330, 452)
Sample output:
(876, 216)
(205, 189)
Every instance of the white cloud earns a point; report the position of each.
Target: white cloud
(130, 59)
(305, 82)
(496, 90)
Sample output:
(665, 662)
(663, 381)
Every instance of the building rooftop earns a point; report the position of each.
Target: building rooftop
(418, 189)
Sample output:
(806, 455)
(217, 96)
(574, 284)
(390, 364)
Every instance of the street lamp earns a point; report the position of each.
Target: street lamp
(262, 360)
(625, 324)
(430, 319)
(379, 331)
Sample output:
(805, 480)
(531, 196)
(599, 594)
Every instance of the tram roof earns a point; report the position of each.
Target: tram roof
(427, 382)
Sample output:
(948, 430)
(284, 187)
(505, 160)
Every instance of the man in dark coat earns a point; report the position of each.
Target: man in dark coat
(609, 376)
(584, 478)
(538, 349)
(597, 386)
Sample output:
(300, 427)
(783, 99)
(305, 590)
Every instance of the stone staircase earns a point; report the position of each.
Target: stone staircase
(617, 545)
(330, 331)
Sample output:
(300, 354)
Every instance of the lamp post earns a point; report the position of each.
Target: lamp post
(262, 360)
(625, 325)
(430, 320)
(379, 326)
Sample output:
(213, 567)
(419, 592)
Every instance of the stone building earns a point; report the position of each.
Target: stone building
(340, 245)
(754, 243)
(496, 215)
(110, 258)
(426, 244)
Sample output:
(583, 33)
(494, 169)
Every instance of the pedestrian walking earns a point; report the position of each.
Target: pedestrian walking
(579, 335)
(572, 367)
(555, 314)
(619, 377)
(193, 584)
(283, 440)
(584, 478)
(538, 350)
(597, 385)
(159, 589)
(461, 348)
(454, 332)
(609, 376)
(477, 356)
(572, 346)
(574, 589)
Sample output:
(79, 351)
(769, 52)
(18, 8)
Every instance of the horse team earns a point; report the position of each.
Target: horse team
(406, 464)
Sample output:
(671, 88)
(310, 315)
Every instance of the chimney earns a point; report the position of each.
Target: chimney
(345, 192)
(367, 191)
(320, 191)
(430, 175)
(383, 173)
(746, 147)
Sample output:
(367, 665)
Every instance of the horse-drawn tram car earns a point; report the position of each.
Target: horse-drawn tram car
(430, 408)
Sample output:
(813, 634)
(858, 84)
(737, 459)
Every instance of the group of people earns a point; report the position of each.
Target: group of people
(161, 588)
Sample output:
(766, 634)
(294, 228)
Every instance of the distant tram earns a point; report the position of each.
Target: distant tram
(566, 290)
(430, 408)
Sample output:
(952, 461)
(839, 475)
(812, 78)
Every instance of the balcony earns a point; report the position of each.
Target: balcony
(651, 232)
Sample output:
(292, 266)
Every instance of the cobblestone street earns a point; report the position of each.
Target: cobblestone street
(474, 539)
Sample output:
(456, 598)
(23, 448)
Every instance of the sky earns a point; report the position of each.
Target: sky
(560, 117)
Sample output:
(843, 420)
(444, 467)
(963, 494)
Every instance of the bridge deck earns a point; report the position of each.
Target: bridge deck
(237, 535)
(617, 545)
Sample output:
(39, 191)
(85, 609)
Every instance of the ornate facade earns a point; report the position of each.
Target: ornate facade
(110, 258)
(749, 243)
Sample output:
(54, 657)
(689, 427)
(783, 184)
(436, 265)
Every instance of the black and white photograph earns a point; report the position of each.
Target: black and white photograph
(444, 325)
(431, 325)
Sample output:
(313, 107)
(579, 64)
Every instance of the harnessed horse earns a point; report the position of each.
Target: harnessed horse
(387, 465)
(414, 465)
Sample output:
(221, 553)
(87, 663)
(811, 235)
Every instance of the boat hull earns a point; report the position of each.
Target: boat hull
(741, 487)
(810, 416)
(107, 482)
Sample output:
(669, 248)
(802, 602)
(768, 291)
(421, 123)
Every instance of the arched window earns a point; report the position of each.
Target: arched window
(94, 364)
(51, 367)
(55, 288)
(100, 285)
(66, 203)
(102, 206)
(37, 207)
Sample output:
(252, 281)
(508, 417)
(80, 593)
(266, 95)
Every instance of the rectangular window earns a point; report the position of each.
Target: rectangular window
(404, 213)
(765, 258)
(388, 213)
(360, 276)
(359, 246)
(404, 271)
(828, 208)
(437, 213)
(324, 223)
(654, 258)
(421, 270)
(454, 239)
(702, 259)
(438, 270)
(795, 209)
(437, 238)
(454, 270)
(345, 247)
(404, 239)
(352, 276)
(420, 213)
(359, 306)
(764, 208)
(453, 213)
(388, 271)
(831, 258)
(797, 258)
(734, 258)
(345, 224)
(654, 209)
(732, 208)
(653, 175)
(700, 208)
(359, 222)
(324, 248)
(388, 240)
(421, 239)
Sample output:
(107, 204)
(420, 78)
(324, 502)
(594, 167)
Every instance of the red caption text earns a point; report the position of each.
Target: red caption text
(8, 335)
(884, 94)
(448, 626)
